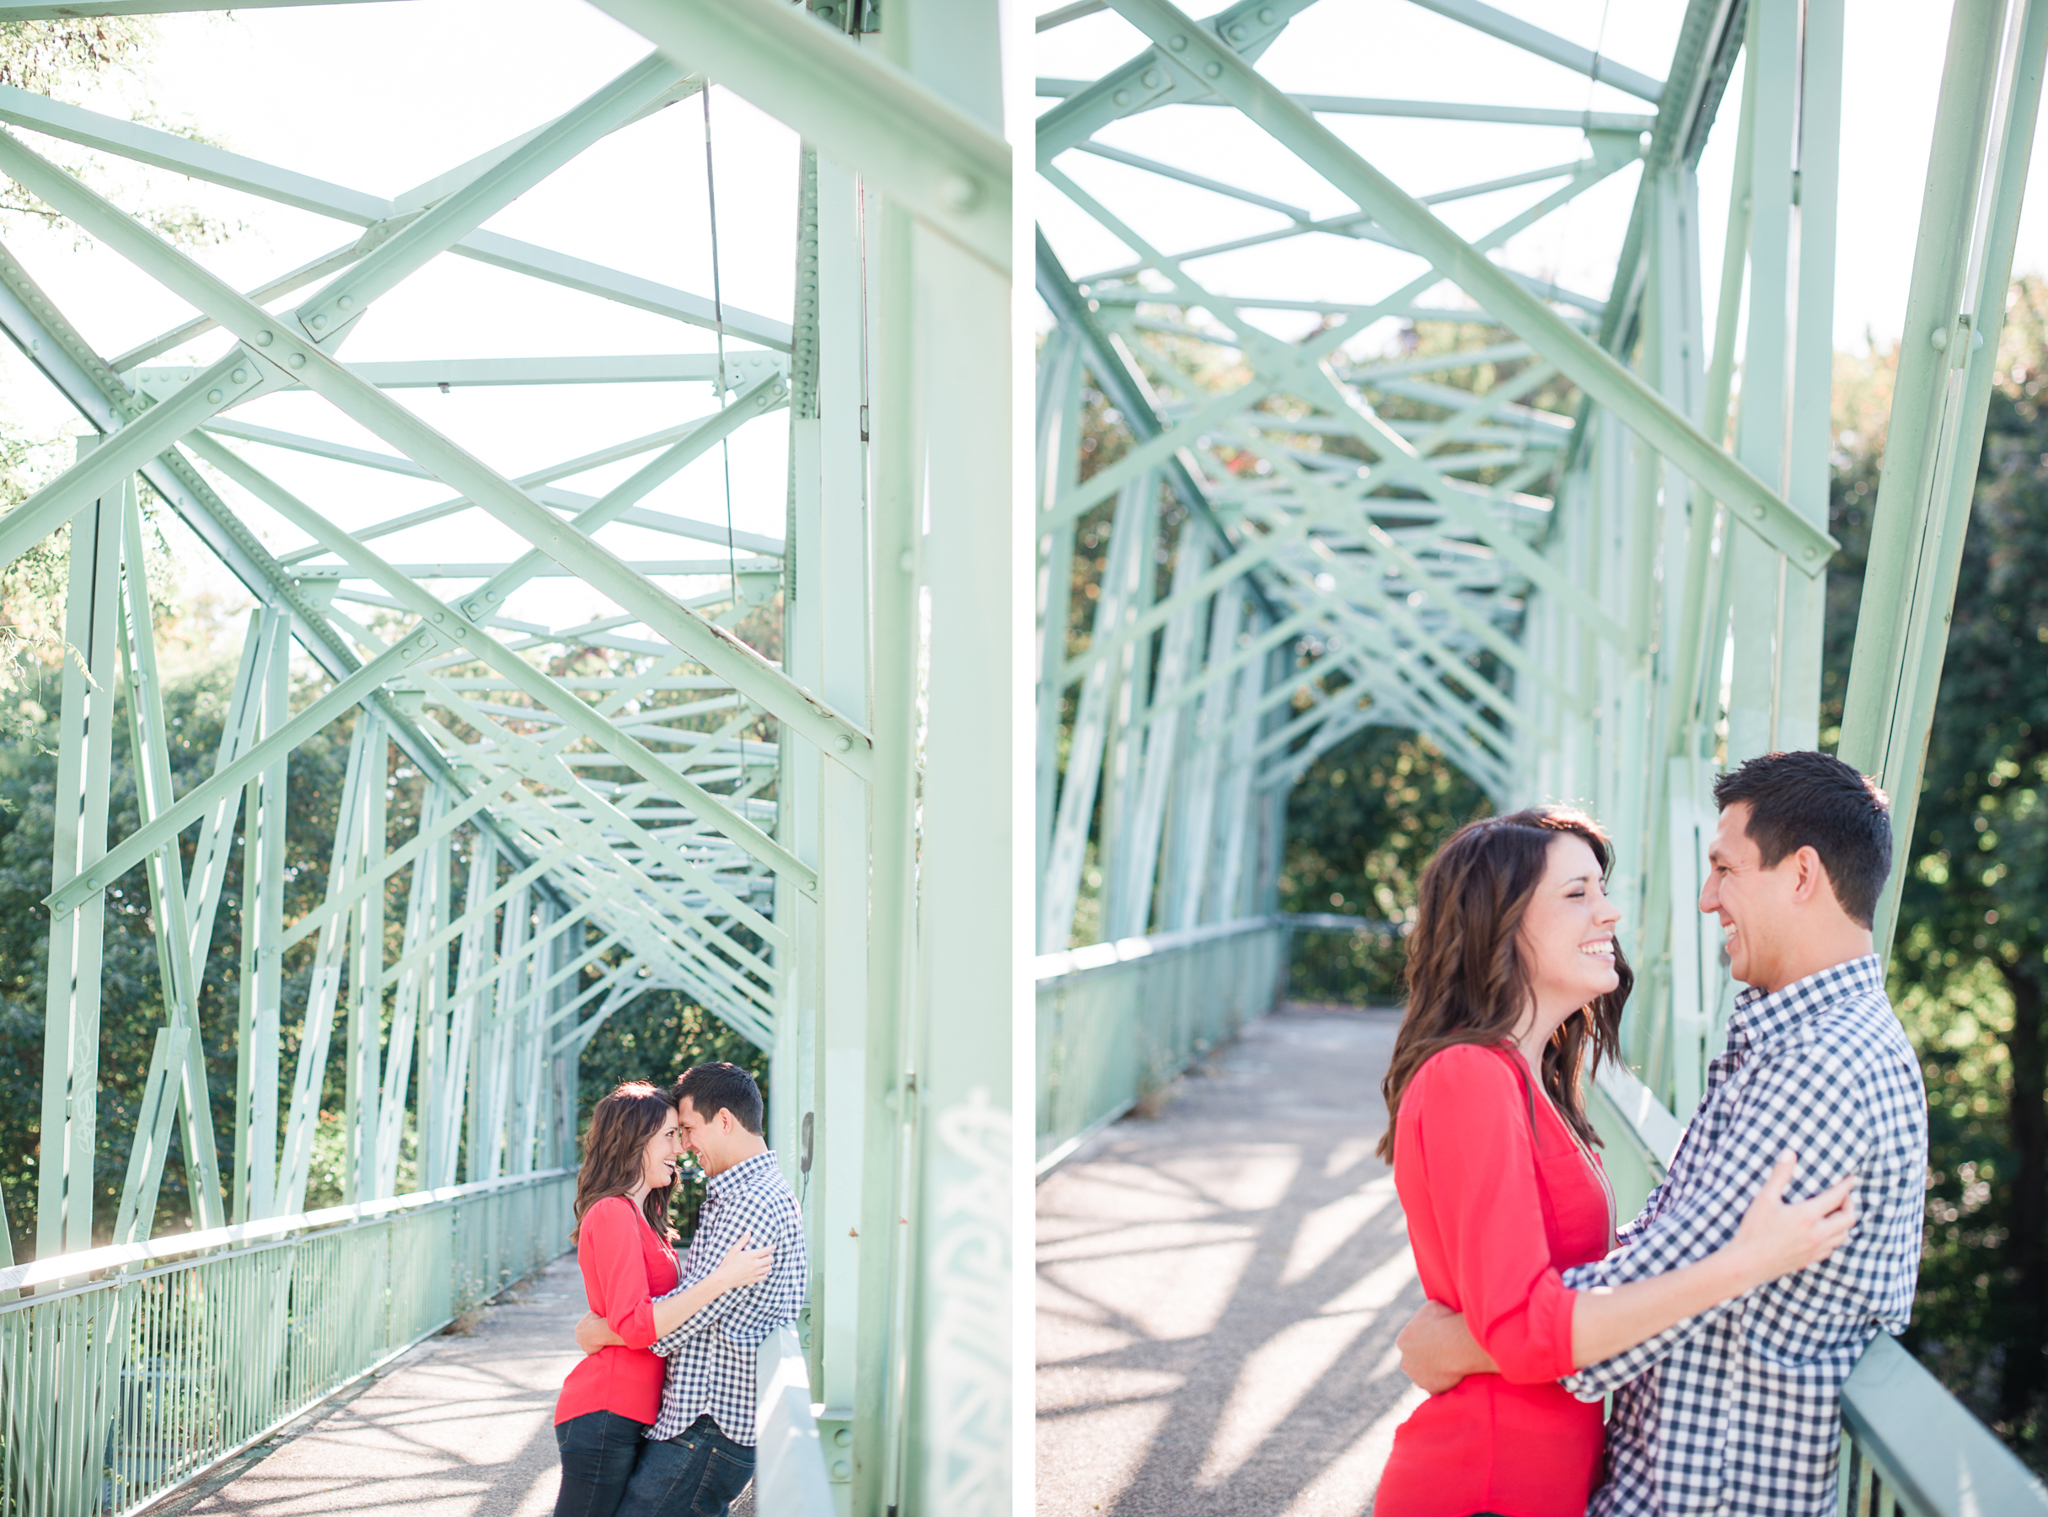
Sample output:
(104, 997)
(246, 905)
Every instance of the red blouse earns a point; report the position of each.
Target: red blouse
(1498, 1201)
(625, 1266)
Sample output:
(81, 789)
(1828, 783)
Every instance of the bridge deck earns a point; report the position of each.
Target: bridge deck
(1219, 1289)
(460, 1427)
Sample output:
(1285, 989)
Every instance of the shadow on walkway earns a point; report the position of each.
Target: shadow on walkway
(463, 1426)
(1219, 1289)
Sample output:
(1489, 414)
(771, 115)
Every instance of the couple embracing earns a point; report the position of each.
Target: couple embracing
(658, 1418)
(1725, 1317)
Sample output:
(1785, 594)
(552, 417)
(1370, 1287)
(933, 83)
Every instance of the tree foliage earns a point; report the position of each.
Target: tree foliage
(1361, 824)
(654, 1038)
(1970, 964)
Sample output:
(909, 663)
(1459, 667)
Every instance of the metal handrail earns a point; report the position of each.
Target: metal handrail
(1910, 1449)
(789, 1459)
(116, 1391)
(153, 1250)
(1117, 1020)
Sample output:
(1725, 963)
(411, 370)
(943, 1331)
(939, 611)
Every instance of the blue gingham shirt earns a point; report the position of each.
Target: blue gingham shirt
(711, 1355)
(1736, 1411)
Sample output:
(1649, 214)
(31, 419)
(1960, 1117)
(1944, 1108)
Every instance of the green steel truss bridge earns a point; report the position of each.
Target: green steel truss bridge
(1571, 535)
(801, 845)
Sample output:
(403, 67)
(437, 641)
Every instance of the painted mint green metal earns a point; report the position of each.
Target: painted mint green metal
(1117, 1021)
(1909, 1450)
(816, 847)
(116, 1391)
(1305, 537)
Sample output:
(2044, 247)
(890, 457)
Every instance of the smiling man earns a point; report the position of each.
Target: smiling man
(1736, 1411)
(699, 1454)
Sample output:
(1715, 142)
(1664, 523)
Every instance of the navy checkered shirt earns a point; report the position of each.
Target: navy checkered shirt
(1736, 1411)
(711, 1355)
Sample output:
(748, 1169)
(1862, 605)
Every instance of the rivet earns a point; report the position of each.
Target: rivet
(907, 562)
(490, 595)
(1122, 97)
(426, 640)
(1265, 15)
(1150, 79)
(1237, 34)
(440, 616)
(317, 322)
(1757, 512)
(843, 743)
(1178, 44)
(959, 192)
(240, 376)
(215, 396)
(1939, 339)
(296, 361)
(347, 302)
(92, 882)
(1213, 70)
(1809, 552)
(262, 339)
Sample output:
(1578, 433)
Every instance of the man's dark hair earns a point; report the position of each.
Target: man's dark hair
(1805, 799)
(712, 1088)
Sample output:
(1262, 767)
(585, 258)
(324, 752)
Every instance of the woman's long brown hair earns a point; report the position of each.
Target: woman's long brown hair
(1467, 982)
(620, 1126)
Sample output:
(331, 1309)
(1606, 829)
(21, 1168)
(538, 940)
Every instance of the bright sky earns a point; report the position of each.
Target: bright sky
(1891, 70)
(380, 97)
(385, 96)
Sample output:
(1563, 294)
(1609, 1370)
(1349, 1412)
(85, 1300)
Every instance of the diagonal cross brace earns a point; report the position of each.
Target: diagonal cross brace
(1595, 371)
(713, 646)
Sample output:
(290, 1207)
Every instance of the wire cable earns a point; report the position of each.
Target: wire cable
(724, 443)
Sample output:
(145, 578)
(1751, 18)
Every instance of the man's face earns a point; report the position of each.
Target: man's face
(1754, 904)
(704, 1136)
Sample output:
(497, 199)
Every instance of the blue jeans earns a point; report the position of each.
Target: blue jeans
(599, 1450)
(694, 1474)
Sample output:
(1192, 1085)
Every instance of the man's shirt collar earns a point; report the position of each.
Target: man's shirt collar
(741, 1175)
(1762, 1017)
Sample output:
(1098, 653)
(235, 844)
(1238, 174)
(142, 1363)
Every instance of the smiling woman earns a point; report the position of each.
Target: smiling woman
(625, 1248)
(1513, 971)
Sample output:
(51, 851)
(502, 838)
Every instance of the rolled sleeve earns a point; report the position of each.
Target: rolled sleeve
(619, 1277)
(1473, 1137)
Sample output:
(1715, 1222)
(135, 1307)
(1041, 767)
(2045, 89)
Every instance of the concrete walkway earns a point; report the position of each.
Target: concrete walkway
(1219, 1288)
(463, 1426)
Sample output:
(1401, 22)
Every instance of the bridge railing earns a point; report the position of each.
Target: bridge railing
(790, 1478)
(1119, 1020)
(1910, 1449)
(137, 1368)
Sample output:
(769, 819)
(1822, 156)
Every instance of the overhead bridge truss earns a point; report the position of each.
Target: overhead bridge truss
(807, 843)
(1573, 537)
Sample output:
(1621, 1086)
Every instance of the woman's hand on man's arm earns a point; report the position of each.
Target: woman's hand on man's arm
(743, 1265)
(1776, 1237)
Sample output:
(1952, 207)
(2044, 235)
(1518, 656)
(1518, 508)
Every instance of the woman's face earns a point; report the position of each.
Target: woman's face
(658, 1158)
(1568, 930)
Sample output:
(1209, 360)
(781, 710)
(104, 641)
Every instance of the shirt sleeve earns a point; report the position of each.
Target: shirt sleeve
(618, 1276)
(1631, 1230)
(1791, 1100)
(776, 1301)
(749, 1314)
(1473, 1135)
